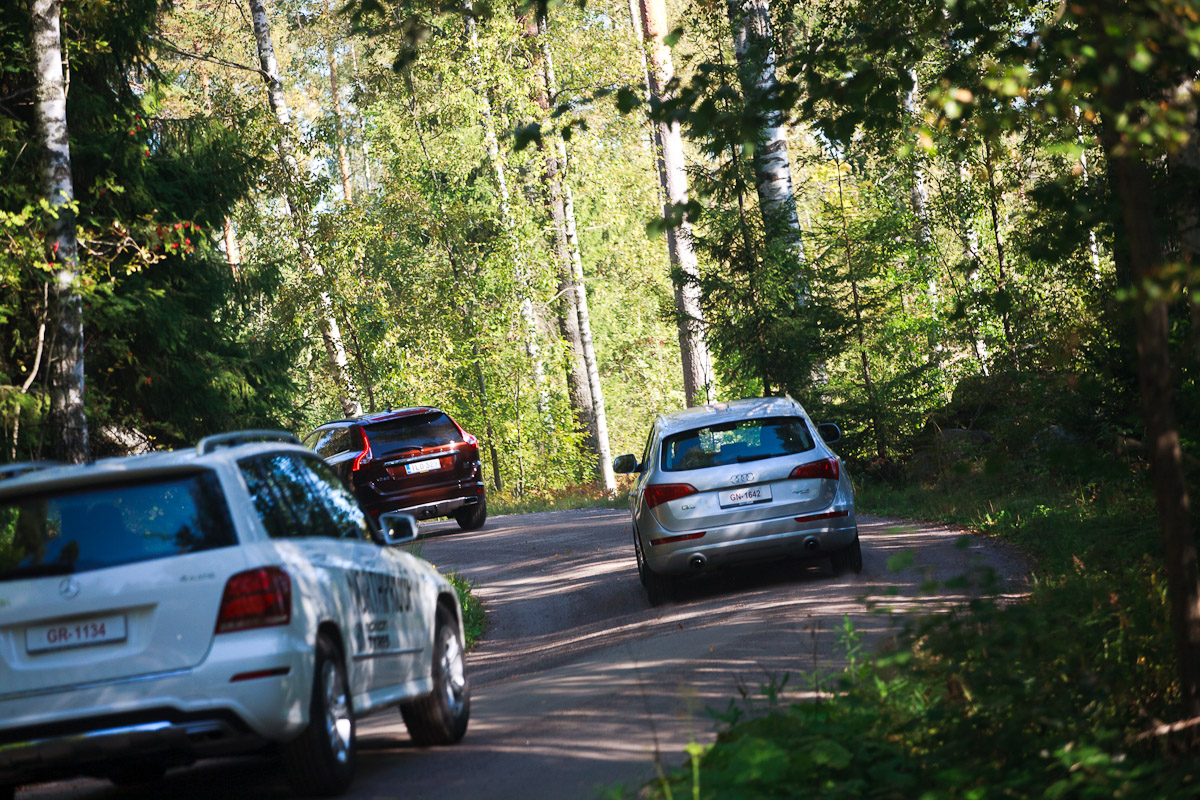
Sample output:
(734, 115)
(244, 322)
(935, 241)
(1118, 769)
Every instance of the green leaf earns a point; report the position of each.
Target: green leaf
(901, 561)
(829, 753)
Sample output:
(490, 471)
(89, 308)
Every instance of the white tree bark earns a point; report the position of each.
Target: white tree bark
(338, 127)
(571, 283)
(751, 21)
(487, 120)
(68, 420)
(335, 350)
(698, 383)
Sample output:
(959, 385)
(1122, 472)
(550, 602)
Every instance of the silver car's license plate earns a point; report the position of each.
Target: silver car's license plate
(745, 496)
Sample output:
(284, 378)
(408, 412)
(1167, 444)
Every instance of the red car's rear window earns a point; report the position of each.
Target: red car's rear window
(410, 433)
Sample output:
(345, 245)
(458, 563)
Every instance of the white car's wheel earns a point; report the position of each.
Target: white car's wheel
(321, 760)
(441, 717)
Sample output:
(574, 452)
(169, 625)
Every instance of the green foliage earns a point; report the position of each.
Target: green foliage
(474, 619)
(993, 700)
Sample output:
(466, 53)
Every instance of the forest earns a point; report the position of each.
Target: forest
(965, 231)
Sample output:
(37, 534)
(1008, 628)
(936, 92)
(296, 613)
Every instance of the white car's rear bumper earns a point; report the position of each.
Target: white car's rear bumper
(254, 687)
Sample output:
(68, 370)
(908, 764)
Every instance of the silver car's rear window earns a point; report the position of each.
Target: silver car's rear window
(735, 443)
(59, 533)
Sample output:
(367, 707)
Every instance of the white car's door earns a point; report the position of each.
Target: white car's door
(381, 581)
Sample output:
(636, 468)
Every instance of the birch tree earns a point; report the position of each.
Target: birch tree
(575, 322)
(693, 345)
(68, 418)
(751, 21)
(298, 208)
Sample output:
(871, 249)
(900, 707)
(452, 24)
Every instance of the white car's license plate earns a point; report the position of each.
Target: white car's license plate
(745, 497)
(423, 466)
(75, 633)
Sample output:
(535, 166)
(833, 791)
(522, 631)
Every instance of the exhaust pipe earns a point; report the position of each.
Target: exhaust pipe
(697, 561)
(812, 543)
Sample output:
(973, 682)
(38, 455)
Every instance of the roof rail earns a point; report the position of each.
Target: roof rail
(234, 438)
(24, 468)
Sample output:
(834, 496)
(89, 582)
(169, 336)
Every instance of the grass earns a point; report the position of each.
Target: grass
(591, 495)
(1056, 697)
(474, 619)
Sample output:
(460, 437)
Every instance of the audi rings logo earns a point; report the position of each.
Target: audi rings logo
(745, 477)
(68, 588)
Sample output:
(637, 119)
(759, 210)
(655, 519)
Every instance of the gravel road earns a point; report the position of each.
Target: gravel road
(579, 685)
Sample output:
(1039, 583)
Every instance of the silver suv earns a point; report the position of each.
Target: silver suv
(736, 482)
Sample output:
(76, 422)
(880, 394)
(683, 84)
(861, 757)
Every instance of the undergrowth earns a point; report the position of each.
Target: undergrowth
(1059, 696)
(474, 622)
(590, 495)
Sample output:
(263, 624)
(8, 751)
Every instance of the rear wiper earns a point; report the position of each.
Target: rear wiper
(37, 571)
(744, 459)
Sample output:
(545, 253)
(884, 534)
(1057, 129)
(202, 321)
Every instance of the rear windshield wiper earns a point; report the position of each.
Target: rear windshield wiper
(744, 459)
(37, 571)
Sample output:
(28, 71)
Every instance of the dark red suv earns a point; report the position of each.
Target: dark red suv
(416, 460)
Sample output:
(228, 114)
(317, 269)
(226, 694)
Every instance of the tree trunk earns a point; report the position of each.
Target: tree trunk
(335, 351)
(366, 150)
(68, 418)
(604, 468)
(1143, 247)
(487, 120)
(971, 253)
(994, 198)
(233, 253)
(693, 344)
(751, 21)
(918, 194)
(338, 133)
(578, 378)
(868, 383)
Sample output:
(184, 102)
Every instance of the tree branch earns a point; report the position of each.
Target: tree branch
(208, 58)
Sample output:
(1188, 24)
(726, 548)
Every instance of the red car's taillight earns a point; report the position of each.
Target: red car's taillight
(363, 457)
(467, 437)
(659, 493)
(257, 598)
(827, 468)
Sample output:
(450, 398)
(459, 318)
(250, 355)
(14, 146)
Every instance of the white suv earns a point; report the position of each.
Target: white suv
(161, 608)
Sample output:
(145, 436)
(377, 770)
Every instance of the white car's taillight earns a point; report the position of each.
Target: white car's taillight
(256, 598)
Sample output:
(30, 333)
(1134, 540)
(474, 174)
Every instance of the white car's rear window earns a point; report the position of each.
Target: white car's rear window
(59, 533)
(735, 442)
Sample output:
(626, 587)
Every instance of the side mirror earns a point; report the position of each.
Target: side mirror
(398, 528)
(626, 463)
(830, 433)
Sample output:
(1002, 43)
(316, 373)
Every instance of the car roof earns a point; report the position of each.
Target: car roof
(380, 416)
(714, 413)
(209, 452)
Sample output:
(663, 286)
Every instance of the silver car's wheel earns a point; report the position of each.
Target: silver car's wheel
(659, 588)
(321, 760)
(848, 559)
(442, 716)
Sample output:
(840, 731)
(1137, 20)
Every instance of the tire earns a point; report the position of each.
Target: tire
(471, 518)
(320, 762)
(848, 559)
(441, 717)
(659, 588)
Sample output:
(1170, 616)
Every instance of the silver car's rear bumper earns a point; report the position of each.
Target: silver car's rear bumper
(762, 540)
